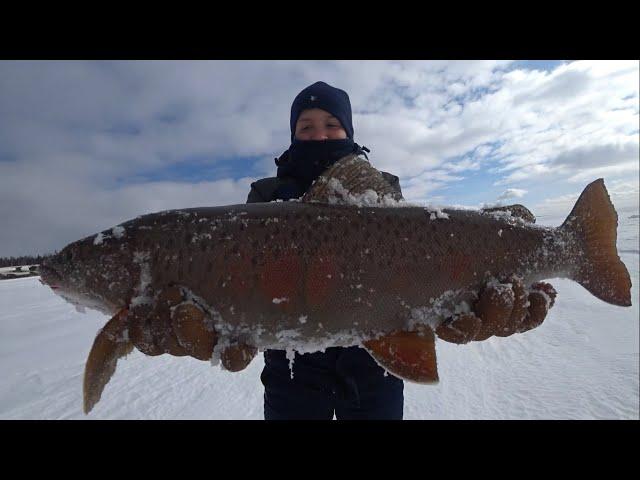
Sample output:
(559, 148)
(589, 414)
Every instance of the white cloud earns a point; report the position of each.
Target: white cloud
(462, 166)
(629, 168)
(44, 210)
(599, 155)
(419, 188)
(528, 172)
(624, 195)
(512, 193)
(82, 128)
(537, 115)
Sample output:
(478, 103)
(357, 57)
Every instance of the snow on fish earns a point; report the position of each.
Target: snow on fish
(348, 264)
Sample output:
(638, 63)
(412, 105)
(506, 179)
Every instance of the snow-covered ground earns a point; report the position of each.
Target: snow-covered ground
(582, 363)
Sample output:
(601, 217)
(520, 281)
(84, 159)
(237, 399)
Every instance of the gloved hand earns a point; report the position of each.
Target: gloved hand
(180, 328)
(501, 310)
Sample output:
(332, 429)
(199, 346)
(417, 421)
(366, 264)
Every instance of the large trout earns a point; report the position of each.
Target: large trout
(349, 264)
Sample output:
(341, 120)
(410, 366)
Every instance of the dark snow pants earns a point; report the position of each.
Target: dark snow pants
(344, 381)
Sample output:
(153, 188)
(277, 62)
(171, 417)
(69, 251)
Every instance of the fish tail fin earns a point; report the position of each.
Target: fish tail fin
(594, 221)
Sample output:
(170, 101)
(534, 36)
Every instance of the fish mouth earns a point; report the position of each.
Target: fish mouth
(49, 276)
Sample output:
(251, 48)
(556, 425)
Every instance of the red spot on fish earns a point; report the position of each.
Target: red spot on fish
(320, 280)
(240, 272)
(459, 266)
(280, 279)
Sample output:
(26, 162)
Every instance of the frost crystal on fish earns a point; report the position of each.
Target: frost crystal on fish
(117, 231)
(447, 305)
(291, 356)
(435, 212)
(142, 297)
(369, 198)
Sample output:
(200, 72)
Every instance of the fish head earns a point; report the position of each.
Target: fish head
(100, 276)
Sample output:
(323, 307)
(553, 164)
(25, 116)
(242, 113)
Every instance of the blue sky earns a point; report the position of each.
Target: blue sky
(105, 141)
(546, 65)
(197, 168)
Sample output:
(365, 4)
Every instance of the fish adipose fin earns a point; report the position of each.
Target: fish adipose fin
(351, 180)
(408, 355)
(593, 222)
(110, 344)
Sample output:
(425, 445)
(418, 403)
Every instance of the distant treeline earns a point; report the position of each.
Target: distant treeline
(24, 260)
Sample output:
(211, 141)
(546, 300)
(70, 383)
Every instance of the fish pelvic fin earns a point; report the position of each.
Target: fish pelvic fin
(594, 221)
(110, 344)
(407, 355)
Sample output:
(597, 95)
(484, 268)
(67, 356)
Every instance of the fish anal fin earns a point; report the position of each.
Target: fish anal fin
(408, 355)
(110, 344)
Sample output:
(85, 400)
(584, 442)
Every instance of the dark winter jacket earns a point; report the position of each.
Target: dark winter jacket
(286, 188)
(346, 379)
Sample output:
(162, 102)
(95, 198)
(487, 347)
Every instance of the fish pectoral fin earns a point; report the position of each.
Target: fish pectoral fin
(408, 355)
(110, 344)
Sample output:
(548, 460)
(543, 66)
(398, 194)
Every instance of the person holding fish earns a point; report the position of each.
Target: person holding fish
(344, 296)
(343, 291)
(346, 381)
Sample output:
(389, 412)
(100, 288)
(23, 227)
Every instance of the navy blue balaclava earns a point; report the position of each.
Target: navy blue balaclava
(305, 160)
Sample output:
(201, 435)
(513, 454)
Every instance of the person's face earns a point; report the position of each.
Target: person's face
(317, 124)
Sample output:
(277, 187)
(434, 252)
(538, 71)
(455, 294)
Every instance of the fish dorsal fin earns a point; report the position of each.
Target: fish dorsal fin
(517, 210)
(408, 355)
(352, 180)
